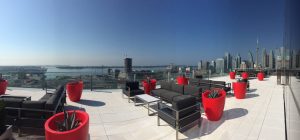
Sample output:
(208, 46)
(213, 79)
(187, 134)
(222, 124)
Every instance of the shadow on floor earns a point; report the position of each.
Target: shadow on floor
(207, 127)
(103, 91)
(251, 95)
(91, 103)
(251, 90)
(70, 107)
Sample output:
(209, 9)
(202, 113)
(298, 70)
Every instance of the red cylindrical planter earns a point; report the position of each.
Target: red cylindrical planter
(149, 86)
(213, 107)
(232, 75)
(79, 133)
(260, 76)
(74, 90)
(245, 75)
(153, 84)
(182, 80)
(239, 89)
(3, 86)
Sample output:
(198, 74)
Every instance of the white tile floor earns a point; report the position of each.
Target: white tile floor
(260, 116)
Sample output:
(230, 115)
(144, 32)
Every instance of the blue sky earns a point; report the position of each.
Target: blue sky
(152, 32)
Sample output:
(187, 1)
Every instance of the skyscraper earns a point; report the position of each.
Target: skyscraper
(250, 59)
(271, 60)
(264, 58)
(200, 65)
(228, 62)
(128, 65)
(238, 61)
(220, 65)
(257, 48)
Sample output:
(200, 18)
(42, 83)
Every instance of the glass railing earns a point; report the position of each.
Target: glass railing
(92, 81)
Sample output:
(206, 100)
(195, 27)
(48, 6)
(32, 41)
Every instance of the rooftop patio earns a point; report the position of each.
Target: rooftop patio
(259, 116)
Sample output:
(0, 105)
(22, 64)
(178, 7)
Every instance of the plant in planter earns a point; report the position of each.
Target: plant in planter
(5, 130)
(68, 125)
(213, 103)
(3, 86)
(239, 88)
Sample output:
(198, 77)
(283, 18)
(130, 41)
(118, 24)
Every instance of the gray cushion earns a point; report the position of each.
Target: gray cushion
(182, 102)
(165, 85)
(34, 104)
(12, 102)
(177, 88)
(46, 97)
(52, 102)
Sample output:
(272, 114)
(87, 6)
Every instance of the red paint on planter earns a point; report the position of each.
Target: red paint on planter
(245, 75)
(79, 133)
(213, 107)
(74, 90)
(232, 75)
(239, 89)
(181, 80)
(3, 86)
(149, 87)
(260, 76)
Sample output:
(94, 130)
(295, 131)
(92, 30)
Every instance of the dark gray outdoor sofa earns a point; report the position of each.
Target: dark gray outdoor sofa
(169, 90)
(131, 89)
(209, 84)
(182, 115)
(32, 114)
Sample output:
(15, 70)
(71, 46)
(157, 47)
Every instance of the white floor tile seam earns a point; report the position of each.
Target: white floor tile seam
(259, 135)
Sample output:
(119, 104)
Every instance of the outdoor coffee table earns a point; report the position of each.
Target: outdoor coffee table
(147, 100)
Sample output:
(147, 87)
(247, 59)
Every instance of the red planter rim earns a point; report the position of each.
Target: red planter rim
(84, 121)
(4, 81)
(207, 92)
(75, 83)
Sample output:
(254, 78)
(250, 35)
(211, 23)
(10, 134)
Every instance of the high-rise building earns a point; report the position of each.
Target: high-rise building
(212, 66)
(128, 65)
(257, 49)
(264, 58)
(205, 65)
(200, 65)
(220, 65)
(243, 65)
(283, 58)
(271, 60)
(228, 62)
(238, 61)
(250, 59)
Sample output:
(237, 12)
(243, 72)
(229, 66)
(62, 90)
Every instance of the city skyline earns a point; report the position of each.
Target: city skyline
(151, 32)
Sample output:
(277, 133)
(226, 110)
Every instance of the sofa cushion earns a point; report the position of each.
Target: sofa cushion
(12, 102)
(46, 97)
(182, 102)
(193, 81)
(165, 85)
(158, 92)
(133, 85)
(192, 90)
(52, 102)
(177, 88)
(168, 96)
(34, 104)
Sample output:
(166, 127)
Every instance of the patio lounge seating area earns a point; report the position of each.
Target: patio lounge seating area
(259, 116)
